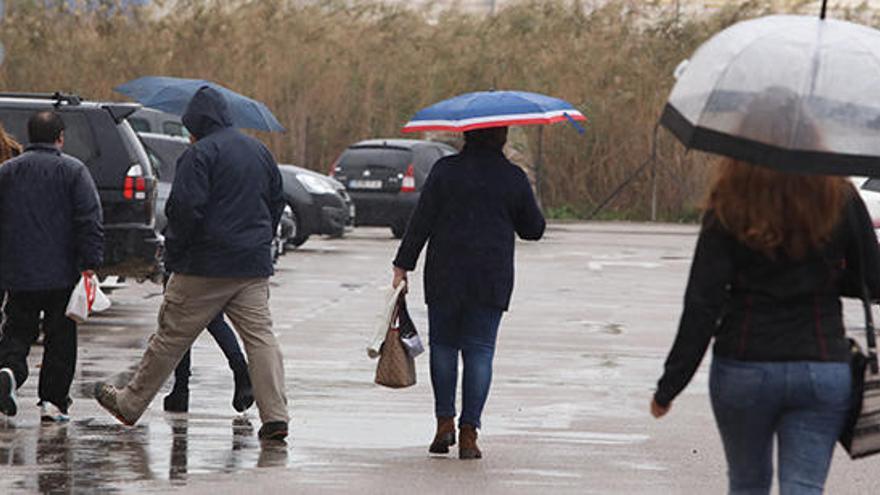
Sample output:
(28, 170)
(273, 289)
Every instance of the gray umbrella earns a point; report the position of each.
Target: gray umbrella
(795, 93)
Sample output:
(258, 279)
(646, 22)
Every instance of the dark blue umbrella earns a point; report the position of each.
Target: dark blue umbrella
(172, 94)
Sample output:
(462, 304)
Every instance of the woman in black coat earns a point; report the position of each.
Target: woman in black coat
(472, 206)
(776, 253)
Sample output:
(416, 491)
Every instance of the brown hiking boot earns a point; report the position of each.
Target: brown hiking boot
(445, 436)
(106, 396)
(467, 443)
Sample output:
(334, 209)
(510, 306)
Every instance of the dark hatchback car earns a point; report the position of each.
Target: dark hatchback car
(319, 204)
(98, 134)
(385, 176)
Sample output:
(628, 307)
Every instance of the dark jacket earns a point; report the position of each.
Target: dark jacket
(226, 199)
(50, 221)
(761, 309)
(471, 205)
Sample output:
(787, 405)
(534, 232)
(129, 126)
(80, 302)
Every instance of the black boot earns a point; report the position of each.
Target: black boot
(178, 400)
(244, 393)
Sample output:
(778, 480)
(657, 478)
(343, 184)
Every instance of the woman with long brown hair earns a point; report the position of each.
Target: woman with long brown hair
(9, 147)
(775, 254)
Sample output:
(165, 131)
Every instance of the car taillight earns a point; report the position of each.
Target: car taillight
(409, 180)
(135, 185)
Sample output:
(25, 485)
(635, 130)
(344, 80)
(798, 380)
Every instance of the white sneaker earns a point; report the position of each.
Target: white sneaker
(51, 414)
(8, 405)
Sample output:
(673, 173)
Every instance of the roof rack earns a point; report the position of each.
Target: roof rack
(59, 97)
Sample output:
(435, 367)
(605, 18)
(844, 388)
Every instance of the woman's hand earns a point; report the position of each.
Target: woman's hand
(659, 411)
(399, 276)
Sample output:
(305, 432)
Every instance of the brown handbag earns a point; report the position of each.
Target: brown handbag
(396, 368)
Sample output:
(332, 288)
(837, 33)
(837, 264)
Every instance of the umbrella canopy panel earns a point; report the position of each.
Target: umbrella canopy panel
(172, 94)
(792, 92)
(485, 109)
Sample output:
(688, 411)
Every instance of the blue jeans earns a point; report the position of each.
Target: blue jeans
(803, 404)
(225, 338)
(471, 330)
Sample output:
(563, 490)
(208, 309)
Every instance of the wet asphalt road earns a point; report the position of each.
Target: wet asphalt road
(594, 311)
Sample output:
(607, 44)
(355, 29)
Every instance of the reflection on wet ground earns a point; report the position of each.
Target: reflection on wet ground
(577, 358)
(562, 390)
(96, 455)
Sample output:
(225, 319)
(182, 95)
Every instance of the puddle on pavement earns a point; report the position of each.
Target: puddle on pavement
(96, 455)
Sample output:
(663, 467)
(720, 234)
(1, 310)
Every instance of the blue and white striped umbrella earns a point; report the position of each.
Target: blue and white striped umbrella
(486, 109)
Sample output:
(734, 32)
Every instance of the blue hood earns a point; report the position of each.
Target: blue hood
(206, 113)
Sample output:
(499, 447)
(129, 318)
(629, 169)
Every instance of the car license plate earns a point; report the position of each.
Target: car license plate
(365, 184)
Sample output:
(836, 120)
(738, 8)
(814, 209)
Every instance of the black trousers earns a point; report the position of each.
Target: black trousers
(21, 327)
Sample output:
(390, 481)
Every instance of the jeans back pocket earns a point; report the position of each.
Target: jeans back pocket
(832, 382)
(735, 384)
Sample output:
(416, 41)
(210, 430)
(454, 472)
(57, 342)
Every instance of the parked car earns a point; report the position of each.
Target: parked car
(385, 176)
(157, 122)
(164, 150)
(98, 134)
(869, 190)
(319, 204)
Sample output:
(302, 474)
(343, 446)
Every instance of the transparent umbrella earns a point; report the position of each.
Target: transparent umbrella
(794, 93)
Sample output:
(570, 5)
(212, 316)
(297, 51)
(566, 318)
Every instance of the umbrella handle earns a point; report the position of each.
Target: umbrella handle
(824, 9)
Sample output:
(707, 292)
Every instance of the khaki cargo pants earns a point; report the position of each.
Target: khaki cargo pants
(191, 302)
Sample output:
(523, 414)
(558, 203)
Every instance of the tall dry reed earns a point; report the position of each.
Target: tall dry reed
(337, 71)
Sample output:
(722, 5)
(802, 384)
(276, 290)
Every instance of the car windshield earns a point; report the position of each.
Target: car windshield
(167, 151)
(388, 157)
(138, 124)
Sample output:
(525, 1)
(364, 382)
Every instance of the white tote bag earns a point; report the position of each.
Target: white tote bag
(384, 322)
(86, 298)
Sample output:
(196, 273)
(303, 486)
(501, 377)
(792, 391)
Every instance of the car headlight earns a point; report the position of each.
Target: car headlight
(315, 185)
(335, 184)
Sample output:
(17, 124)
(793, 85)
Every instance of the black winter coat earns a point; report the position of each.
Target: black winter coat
(50, 221)
(226, 199)
(470, 207)
(762, 309)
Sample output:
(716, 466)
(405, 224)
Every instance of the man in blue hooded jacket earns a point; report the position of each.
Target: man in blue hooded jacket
(225, 205)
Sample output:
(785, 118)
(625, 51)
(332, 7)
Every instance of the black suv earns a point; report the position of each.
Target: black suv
(385, 176)
(98, 134)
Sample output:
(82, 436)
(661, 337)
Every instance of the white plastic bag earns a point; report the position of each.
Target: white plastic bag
(86, 298)
(391, 296)
(102, 302)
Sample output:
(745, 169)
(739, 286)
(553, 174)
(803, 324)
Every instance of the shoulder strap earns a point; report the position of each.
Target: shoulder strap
(870, 333)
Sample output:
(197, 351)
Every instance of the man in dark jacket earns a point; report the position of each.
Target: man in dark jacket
(50, 233)
(470, 209)
(224, 208)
